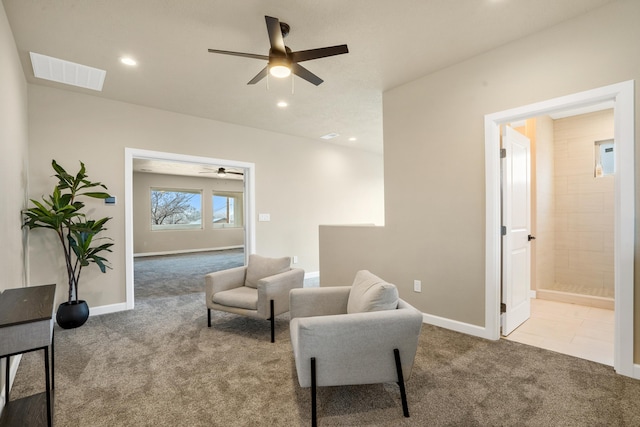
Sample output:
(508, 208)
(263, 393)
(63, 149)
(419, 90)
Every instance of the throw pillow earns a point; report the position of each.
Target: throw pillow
(371, 293)
(260, 267)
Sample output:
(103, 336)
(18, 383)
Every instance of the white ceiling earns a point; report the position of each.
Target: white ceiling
(390, 43)
(170, 167)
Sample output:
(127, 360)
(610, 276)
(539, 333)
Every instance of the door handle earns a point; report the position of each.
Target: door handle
(530, 237)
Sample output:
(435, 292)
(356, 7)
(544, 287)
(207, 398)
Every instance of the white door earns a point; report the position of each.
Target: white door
(516, 222)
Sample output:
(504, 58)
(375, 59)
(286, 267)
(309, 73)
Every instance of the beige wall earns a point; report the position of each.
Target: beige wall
(13, 164)
(147, 241)
(13, 161)
(434, 158)
(584, 219)
(301, 183)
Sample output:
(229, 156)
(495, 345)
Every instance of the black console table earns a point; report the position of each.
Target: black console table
(26, 324)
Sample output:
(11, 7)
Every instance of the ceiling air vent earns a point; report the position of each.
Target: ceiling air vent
(70, 73)
(330, 135)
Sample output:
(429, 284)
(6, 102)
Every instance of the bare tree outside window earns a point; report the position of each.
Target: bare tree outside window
(171, 209)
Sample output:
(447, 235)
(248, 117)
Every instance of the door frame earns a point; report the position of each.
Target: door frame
(624, 211)
(249, 205)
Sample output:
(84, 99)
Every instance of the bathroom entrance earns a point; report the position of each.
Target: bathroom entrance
(573, 183)
(622, 96)
(572, 218)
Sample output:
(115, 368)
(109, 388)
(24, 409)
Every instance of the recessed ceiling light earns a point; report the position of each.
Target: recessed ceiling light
(330, 135)
(353, 138)
(128, 61)
(282, 104)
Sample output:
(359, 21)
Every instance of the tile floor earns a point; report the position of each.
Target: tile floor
(580, 331)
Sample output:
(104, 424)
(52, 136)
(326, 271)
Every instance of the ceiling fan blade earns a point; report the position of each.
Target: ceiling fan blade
(261, 75)
(302, 72)
(275, 35)
(323, 52)
(222, 171)
(246, 55)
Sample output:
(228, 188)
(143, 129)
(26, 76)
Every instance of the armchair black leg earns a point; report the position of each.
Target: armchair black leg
(7, 365)
(273, 322)
(403, 394)
(47, 385)
(209, 317)
(314, 414)
(53, 359)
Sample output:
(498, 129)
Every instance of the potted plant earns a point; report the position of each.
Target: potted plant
(62, 211)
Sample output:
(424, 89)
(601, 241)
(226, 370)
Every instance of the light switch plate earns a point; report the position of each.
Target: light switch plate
(417, 286)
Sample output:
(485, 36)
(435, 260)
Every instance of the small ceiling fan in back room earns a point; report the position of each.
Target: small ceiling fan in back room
(221, 172)
(282, 61)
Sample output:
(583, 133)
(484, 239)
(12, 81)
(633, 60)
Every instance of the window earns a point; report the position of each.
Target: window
(175, 209)
(604, 163)
(227, 210)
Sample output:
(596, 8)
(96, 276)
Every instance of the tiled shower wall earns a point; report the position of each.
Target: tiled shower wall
(584, 214)
(545, 231)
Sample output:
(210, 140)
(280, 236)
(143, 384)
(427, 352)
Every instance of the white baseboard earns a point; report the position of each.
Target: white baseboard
(636, 371)
(105, 309)
(15, 362)
(186, 251)
(454, 325)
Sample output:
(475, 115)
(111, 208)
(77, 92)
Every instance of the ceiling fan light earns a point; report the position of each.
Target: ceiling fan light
(280, 71)
(222, 172)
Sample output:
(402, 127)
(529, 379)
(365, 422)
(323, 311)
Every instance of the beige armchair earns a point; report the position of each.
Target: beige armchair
(359, 334)
(259, 290)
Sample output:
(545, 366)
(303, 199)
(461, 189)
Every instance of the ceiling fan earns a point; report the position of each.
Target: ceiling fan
(282, 61)
(223, 172)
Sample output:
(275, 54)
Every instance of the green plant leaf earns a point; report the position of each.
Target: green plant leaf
(96, 195)
(63, 212)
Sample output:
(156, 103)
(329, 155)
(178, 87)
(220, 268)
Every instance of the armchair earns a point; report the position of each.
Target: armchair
(359, 334)
(259, 290)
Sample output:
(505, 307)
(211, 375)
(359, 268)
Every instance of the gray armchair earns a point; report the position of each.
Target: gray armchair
(359, 334)
(259, 290)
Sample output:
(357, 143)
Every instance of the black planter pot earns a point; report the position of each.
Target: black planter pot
(72, 314)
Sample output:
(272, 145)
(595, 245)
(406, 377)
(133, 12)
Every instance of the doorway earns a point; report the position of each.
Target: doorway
(572, 280)
(248, 202)
(622, 95)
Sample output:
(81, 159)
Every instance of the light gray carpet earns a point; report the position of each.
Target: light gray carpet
(159, 365)
(174, 275)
